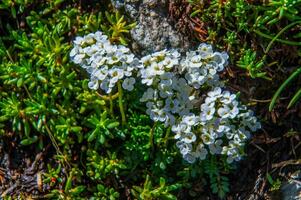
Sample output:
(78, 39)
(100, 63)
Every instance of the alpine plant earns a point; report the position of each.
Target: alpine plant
(182, 91)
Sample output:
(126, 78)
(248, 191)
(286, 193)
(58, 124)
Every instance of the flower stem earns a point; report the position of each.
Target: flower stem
(108, 98)
(111, 105)
(55, 144)
(120, 94)
(151, 138)
(166, 138)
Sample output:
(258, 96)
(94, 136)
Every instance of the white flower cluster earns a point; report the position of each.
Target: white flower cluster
(167, 96)
(219, 126)
(201, 66)
(215, 124)
(106, 63)
(222, 127)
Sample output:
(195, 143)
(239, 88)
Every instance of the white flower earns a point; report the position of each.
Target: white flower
(201, 151)
(110, 49)
(105, 86)
(158, 114)
(216, 93)
(168, 62)
(91, 50)
(88, 39)
(181, 128)
(147, 81)
(101, 74)
(116, 73)
(228, 97)
(184, 147)
(97, 61)
(193, 79)
(145, 61)
(219, 60)
(78, 41)
(207, 139)
(112, 60)
(216, 148)
(157, 68)
(224, 112)
(230, 134)
(189, 157)
(74, 51)
(212, 71)
(205, 50)
(128, 83)
(172, 105)
(78, 59)
(190, 119)
(222, 128)
(178, 135)
(93, 84)
(147, 95)
(170, 120)
(130, 58)
(234, 112)
(189, 138)
(207, 112)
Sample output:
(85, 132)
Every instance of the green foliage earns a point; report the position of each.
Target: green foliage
(104, 193)
(148, 192)
(99, 167)
(275, 184)
(277, 10)
(283, 86)
(248, 61)
(69, 192)
(15, 6)
(101, 128)
(219, 183)
(253, 25)
(45, 101)
(117, 27)
(53, 175)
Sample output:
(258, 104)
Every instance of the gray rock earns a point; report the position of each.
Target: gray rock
(292, 189)
(153, 31)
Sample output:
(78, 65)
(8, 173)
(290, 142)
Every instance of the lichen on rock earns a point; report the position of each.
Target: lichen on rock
(153, 32)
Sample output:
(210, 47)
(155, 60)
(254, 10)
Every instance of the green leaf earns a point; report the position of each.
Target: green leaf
(20, 82)
(93, 135)
(162, 182)
(102, 139)
(295, 98)
(29, 141)
(13, 12)
(26, 128)
(283, 86)
(77, 190)
(112, 125)
(194, 13)
(270, 179)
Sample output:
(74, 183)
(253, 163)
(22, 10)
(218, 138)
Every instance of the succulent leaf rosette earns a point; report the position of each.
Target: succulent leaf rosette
(183, 92)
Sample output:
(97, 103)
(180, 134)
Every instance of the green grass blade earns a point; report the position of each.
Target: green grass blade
(288, 42)
(278, 34)
(295, 98)
(282, 87)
